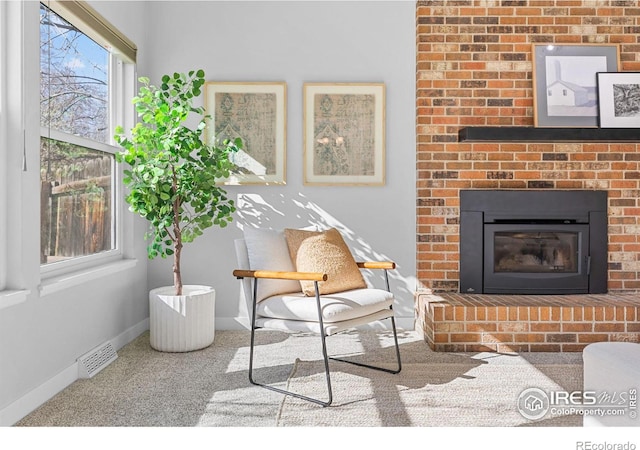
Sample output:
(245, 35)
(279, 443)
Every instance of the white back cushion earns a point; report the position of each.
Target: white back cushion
(268, 250)
(243, 263)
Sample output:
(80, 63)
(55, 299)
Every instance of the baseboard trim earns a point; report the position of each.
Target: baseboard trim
(20, 408)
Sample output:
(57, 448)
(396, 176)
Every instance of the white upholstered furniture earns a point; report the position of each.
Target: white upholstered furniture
(613, 368)
(275, 297)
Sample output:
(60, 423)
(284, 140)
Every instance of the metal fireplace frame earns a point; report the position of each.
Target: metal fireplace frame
(484, 211)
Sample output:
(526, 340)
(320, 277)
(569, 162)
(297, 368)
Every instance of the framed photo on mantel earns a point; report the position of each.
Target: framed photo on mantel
(619, 99)
(565, 88)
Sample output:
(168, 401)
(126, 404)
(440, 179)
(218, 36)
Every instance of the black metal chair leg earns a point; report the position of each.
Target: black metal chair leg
(395, 338)
(324, 354)
(382, 369)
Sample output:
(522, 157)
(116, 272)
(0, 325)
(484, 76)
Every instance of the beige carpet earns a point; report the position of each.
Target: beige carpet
(426, 395)
(210, 388)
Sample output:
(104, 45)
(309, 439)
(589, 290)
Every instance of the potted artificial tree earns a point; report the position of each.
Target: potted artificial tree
(172, 183)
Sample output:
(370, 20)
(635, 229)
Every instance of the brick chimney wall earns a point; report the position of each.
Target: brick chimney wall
(474, 68)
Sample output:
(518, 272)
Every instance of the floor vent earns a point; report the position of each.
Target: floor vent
(96, 360)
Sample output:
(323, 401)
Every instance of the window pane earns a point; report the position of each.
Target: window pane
(74, 83)
(76, 187)
(77, 181)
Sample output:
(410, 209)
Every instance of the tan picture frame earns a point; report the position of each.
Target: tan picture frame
(565, 90)
(344, 134)
(256, 112)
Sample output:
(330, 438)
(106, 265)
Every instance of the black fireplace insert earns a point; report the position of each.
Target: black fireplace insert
(533, 242)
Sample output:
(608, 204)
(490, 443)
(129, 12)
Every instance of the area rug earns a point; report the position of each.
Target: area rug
(477, 394)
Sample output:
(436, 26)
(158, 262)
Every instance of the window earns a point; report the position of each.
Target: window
(78, 183)
(56, 155)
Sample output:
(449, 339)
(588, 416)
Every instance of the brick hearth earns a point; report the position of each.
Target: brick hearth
(526, 323)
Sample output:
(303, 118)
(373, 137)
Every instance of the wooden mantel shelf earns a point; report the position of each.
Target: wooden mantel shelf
(533, 134)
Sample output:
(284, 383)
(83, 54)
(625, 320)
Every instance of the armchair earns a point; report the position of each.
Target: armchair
(284, 293)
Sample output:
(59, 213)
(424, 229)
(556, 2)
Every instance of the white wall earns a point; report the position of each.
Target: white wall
(296, 42)
(42, 336)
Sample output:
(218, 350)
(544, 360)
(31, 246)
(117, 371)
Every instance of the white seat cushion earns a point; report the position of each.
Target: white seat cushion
(299, 326)
(335, 307)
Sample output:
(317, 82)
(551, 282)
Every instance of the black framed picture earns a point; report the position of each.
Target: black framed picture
(619, 99)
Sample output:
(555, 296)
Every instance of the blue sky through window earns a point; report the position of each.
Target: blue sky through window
(74, 93)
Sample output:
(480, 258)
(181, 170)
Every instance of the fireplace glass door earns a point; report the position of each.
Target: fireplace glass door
(535, 251)
(526, 258)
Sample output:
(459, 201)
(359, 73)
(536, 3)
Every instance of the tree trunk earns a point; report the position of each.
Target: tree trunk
(177, 277)
(177, 234)
(177, 250)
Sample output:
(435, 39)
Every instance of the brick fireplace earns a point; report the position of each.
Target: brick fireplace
(474, 69)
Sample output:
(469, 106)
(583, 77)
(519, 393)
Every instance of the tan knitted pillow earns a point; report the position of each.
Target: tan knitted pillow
(325, 252)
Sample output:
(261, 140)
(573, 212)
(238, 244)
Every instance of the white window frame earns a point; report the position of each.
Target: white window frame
(3, 147)
(13, 281)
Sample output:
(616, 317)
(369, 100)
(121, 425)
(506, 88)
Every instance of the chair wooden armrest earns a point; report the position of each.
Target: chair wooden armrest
(376, 265)
(305, 276)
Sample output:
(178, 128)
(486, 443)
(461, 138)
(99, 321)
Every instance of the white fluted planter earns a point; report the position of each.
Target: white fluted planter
(181, 323)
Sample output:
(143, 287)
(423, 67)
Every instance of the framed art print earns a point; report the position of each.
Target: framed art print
(256, 113)
(619, 99)
(344, 134)
(564, 82)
